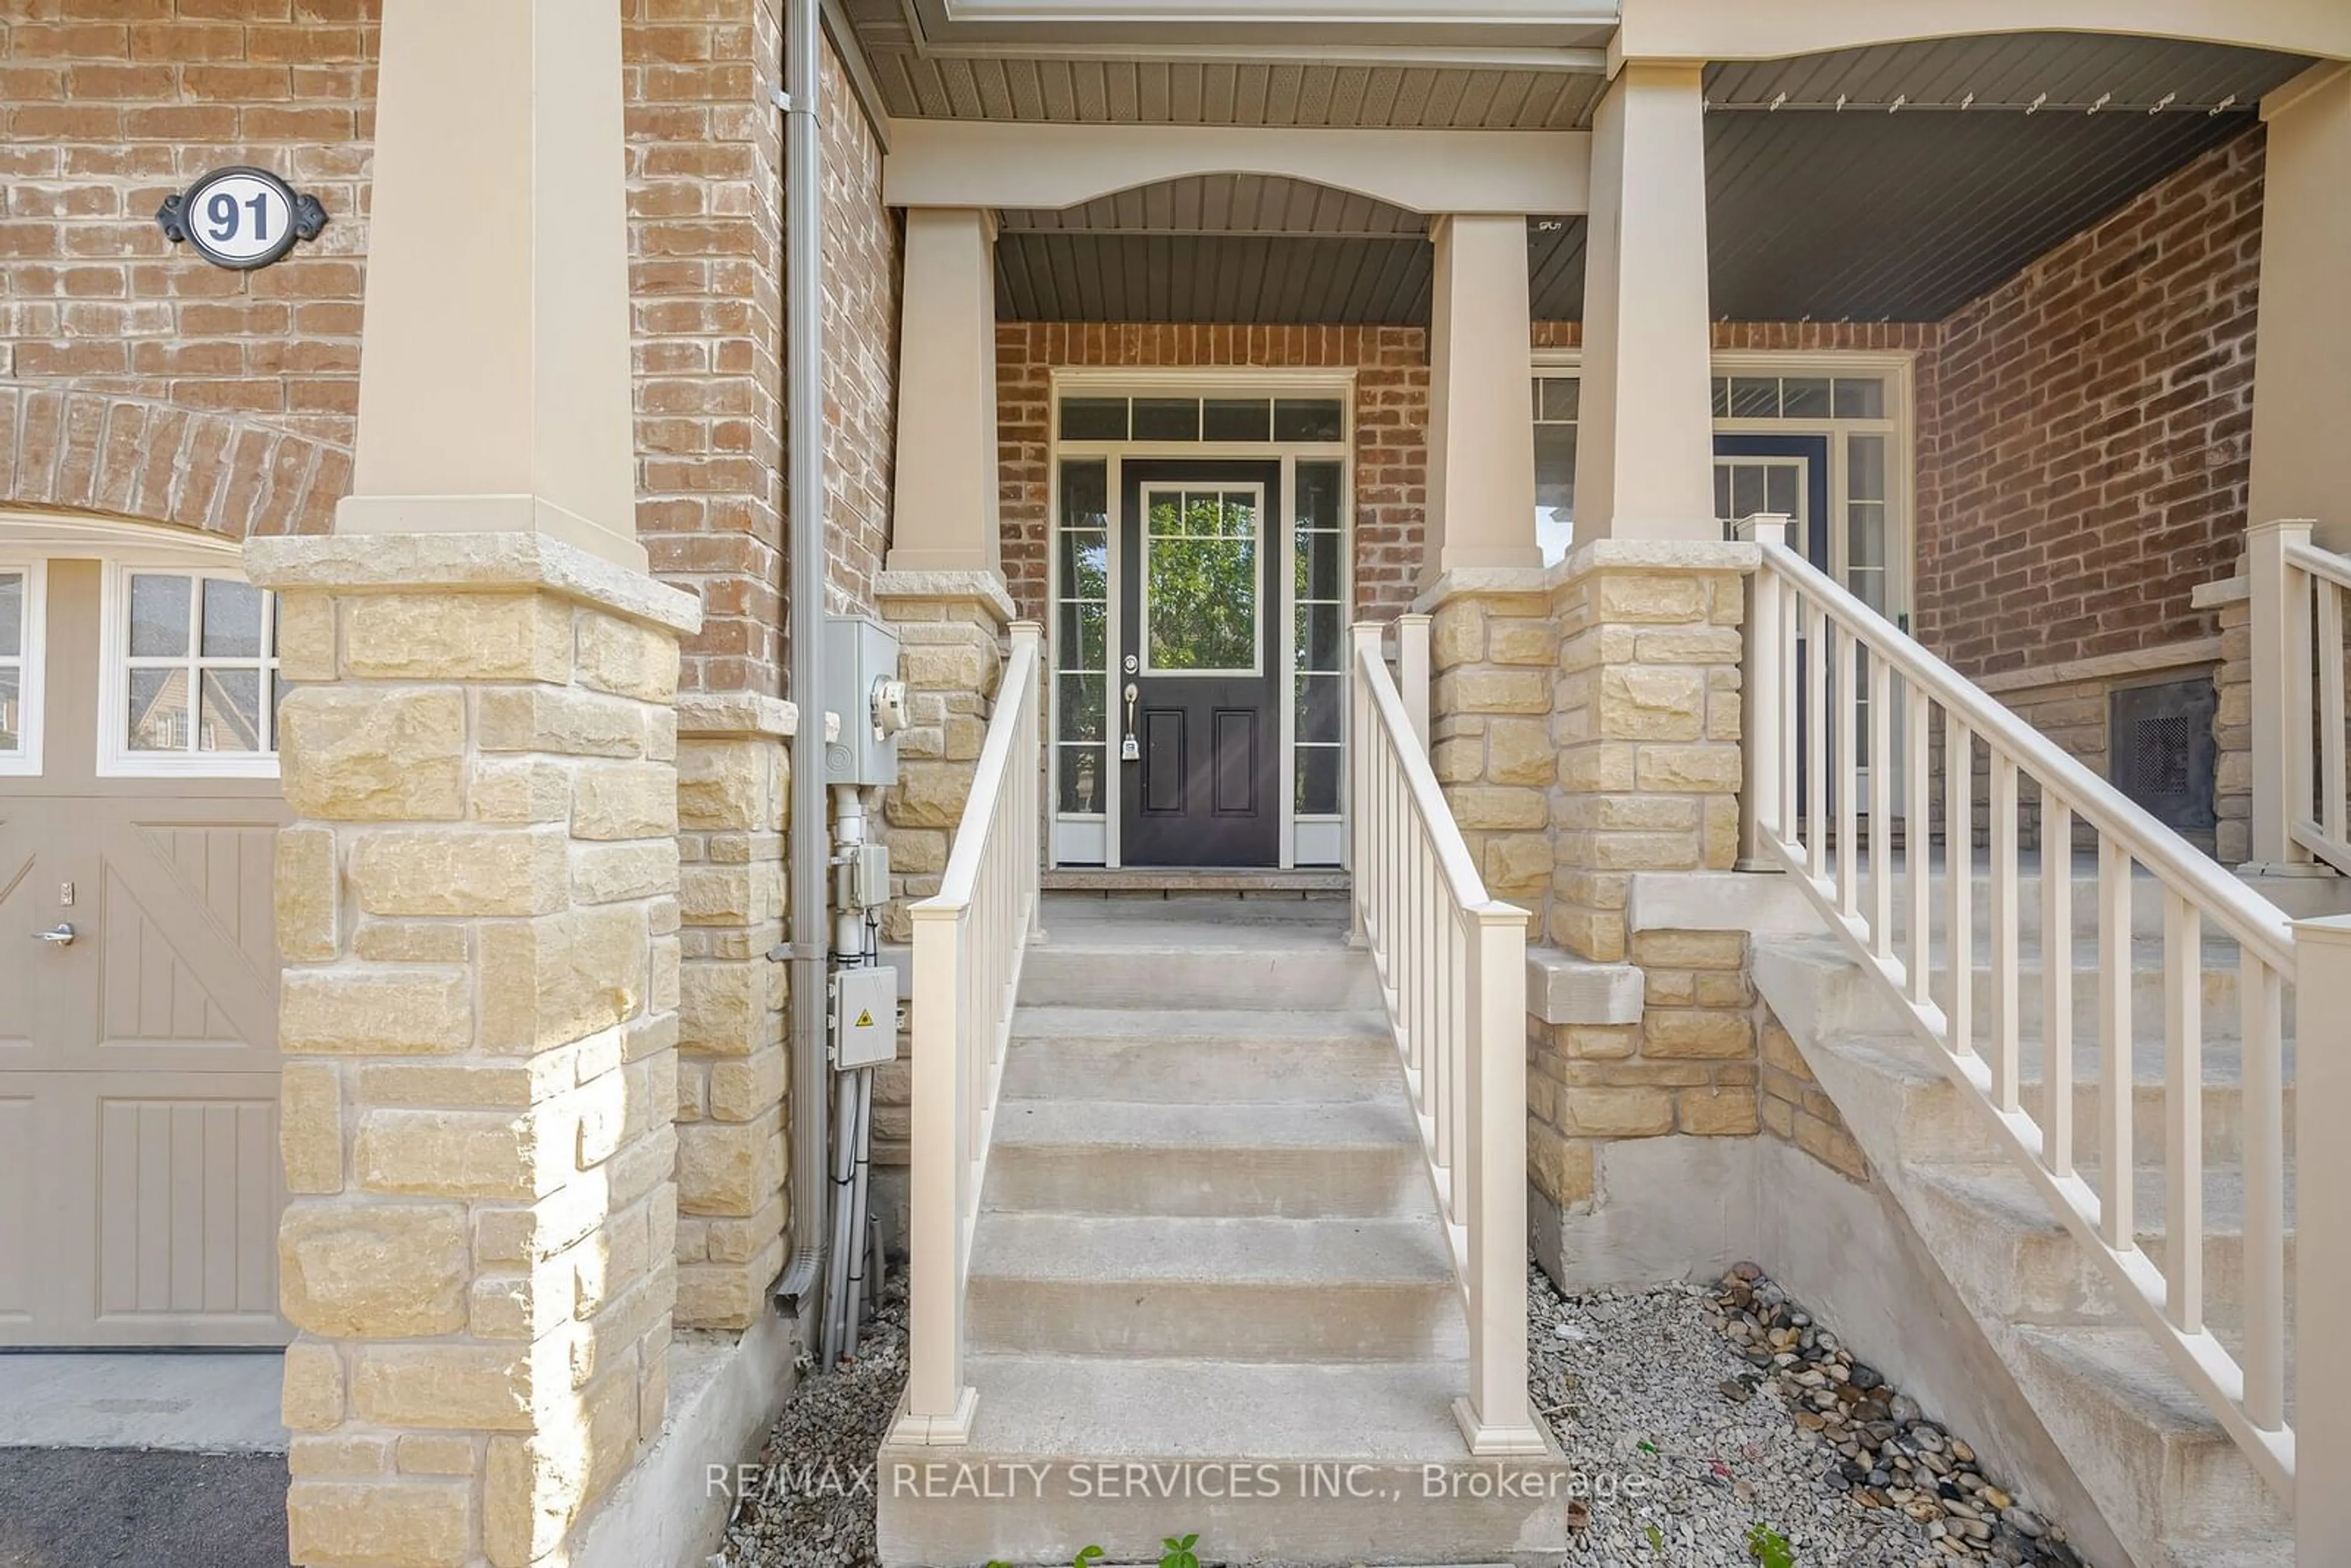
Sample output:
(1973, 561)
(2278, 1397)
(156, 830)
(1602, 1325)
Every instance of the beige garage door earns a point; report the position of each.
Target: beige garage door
(139, 1185)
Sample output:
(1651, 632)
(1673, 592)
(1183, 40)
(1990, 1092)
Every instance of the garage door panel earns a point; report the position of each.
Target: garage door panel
(188, 1195)
(19, 972)
(140, 1182)
(179, 988)
(20, 1275)
(226, 867)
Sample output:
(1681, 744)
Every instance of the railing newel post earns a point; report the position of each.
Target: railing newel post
(2323, 1237)
(2280, 660)
(1762, 809)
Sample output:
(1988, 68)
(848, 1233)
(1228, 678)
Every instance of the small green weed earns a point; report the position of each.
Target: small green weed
(1769, 1547)
(1179, 1552)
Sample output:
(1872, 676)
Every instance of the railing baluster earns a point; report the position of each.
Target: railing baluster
(1881, 807)
(2183, 1095)
(1958, 878)
(2335, 792)
(1792, 830)
(1918, 830)
(2005, 968)
(1816, 743)
(2260, 994)
(2117, 1074)
(2056, 983)
(1846, 785)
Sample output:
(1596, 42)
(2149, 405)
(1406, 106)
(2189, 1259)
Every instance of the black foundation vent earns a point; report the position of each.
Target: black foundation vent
(2160, 750)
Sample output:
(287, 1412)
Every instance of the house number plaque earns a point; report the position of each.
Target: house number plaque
(241, 218)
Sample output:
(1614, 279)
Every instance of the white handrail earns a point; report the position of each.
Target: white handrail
(969, 941)
(1849, 647)
(1452, 965)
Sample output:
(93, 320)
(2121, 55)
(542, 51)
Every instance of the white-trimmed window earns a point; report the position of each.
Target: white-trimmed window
(21, 650)
(188, 674)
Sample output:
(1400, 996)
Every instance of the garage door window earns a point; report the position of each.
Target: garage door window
(20, 672)
(191, 681)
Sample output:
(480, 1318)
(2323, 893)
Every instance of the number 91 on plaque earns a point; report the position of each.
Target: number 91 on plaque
(241, 218)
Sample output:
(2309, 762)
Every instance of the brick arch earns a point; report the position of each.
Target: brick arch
(139, 457)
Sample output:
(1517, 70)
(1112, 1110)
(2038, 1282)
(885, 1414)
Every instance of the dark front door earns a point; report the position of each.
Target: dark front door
(1198, 664)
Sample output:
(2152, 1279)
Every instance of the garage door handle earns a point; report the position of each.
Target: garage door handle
(62, 934)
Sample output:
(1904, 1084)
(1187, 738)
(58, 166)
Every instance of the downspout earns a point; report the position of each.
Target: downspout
(812, 1188)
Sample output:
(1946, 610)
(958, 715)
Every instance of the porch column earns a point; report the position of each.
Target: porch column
(495, 394)
(2305, 341)
(1644, 442)
(2297, 453)
(477, 901)
(943, 510)
(1481, 433)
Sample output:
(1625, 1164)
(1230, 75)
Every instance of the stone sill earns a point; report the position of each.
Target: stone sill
(1563, 988)
(1761, 903)
(2170, 656)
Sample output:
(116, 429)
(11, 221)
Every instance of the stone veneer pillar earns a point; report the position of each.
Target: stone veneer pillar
(734, 799)
(477, 911)
(950, 627)
(1648, 723)
(1586, 726)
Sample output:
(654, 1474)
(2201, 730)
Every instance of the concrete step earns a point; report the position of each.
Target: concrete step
(2218, 1008)
(1267, 1461)
(1198, 1057)
(1194, 954)
(2138, 1437)
(2053, 1276)
(2297, 896)
(2158, 1467)
(1343, 1159)
(1229, 1289)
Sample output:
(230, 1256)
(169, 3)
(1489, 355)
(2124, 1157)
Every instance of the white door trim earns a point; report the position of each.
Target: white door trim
(1070, 835)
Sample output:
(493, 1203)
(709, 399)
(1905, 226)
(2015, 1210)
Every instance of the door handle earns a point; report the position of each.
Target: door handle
(61, 935)
(1130, 749)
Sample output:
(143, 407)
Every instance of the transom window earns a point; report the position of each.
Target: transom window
(1798, 397)
(1200, 598)
(1211, 419)
(192, 676)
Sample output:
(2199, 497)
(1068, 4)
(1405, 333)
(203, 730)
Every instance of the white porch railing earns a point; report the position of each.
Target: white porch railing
(2302, 601)
(1452, 965)
(1855, 663)
(969, 941)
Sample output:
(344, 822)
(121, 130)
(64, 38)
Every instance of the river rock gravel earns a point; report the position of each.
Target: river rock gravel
(1698, 1417)
(813, 1505)
(1706, 1417)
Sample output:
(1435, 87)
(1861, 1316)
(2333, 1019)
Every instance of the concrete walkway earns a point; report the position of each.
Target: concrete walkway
(207, 1403)
(142, 1460)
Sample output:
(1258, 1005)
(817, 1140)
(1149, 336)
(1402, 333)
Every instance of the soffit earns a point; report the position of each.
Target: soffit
(1447, 77)
(1858, 215)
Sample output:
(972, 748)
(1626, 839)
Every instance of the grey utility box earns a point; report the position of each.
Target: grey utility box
(862, 684)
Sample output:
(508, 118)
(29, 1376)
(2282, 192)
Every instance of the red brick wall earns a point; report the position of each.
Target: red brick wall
(864, 268)
(139, 380)
(705, 156)
(1391, 420)
(2082, 465)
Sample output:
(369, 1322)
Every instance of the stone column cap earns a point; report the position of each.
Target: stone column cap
(471, 563)
(708, 716)
(986, 587)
